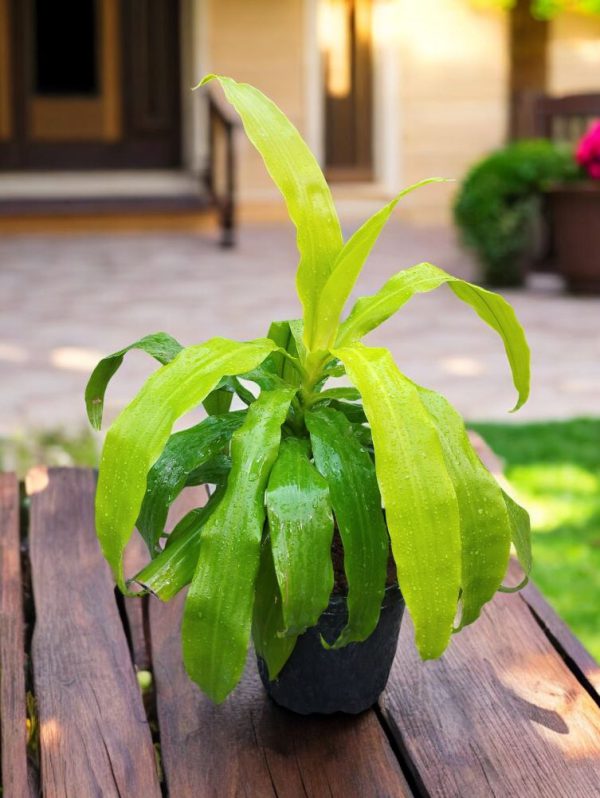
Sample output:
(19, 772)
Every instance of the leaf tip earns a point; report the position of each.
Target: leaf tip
(206, 79)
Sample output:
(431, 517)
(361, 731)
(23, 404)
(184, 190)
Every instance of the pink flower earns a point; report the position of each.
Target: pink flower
(588, 151)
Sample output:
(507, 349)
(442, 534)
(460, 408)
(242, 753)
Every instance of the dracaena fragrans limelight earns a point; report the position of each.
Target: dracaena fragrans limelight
(387, 461)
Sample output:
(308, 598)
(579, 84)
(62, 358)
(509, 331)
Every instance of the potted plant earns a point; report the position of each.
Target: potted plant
(499, 207)
(323, 491)
(575, 216)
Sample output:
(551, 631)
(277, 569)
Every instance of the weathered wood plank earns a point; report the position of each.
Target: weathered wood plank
(94, 736)
(564, 637)
(247, 746)
(499, 714)
(13, 716)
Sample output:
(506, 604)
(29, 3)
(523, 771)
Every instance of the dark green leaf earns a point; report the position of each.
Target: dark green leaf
(267, 621)
(353, 412)
(174, 567)
(218, 611)
(183, 455)
(218, 401)
(213, 472)
(301, 524)
(160, 346)
(350, 474)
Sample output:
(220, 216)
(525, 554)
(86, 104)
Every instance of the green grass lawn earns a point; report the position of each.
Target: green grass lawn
(555, 469)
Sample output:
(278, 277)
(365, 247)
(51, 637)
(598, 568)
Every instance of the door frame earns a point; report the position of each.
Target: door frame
(387, 122)
(140, 147)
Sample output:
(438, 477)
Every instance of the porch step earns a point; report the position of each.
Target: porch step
(91, 193)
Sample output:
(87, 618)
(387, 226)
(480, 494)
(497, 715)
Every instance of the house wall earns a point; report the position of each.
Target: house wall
(453, 95)
(440, 94)
(574, 54)
(441, 82)
(260, 42)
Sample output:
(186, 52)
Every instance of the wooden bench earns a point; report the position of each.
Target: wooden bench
(510, 710)
(565, 119)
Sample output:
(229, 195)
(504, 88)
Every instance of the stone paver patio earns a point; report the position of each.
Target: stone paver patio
(64, 301)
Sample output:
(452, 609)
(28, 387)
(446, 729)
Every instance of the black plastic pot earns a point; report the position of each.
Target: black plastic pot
(349, 679)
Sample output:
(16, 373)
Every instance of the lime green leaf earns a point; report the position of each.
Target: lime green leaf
(183, 454)
(371, 311)
(280, 334)
(520, 529)
(418, 495)
(267, 621)
(298, 176)
(139, 434)
(484, 521)
(350, 474)
(301, 524)
(174, 567)
(159, 345)
(218, 611)
(348, 265)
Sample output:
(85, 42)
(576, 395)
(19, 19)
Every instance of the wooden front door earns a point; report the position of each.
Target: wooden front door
(89, 84)
(349, 91)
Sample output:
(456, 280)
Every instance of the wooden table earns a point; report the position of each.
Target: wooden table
(510, 710)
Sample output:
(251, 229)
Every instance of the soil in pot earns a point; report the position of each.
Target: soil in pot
(349, 679)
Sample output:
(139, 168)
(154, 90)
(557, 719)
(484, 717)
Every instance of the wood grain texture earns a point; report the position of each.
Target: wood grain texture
(560, 632)
(500, 714)
(248, 746)
(13, 733)
(94, 736)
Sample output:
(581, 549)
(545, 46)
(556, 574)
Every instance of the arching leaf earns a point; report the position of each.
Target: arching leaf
(356, 501)
(139, 434)
(218, 610)
(484, 522)
(371, 311)
(348, 265)
(298, 176)
(160, 346)
(417, 492)
(301, 525)
(520, 529)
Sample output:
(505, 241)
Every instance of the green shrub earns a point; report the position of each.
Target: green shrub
(498, 206)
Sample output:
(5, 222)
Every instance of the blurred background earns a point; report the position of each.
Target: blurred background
(130, 203)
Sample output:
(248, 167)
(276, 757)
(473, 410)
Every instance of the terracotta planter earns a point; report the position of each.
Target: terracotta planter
(575, 219)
